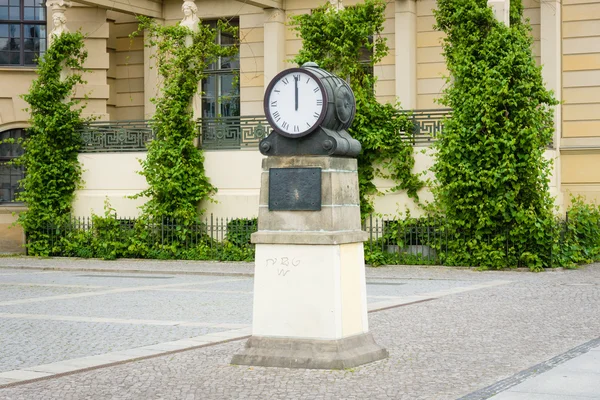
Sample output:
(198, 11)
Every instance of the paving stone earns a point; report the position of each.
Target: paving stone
(440, 349)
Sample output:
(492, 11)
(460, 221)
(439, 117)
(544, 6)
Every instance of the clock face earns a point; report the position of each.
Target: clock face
(295, 103)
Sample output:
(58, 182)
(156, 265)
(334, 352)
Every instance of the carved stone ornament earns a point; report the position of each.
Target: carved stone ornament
(59, 20)
(336, 5)
(190, 18)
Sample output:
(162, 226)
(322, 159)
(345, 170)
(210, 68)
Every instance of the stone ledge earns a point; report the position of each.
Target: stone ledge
(309, 353)
(325, 238)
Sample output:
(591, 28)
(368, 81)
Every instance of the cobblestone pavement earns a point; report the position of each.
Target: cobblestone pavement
(445, 348)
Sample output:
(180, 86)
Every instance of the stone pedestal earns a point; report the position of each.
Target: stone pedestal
(310, 303)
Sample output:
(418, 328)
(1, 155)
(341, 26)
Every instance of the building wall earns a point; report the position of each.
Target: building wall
(430, 62)
(580, 145)
(126, 73)
(114, 177)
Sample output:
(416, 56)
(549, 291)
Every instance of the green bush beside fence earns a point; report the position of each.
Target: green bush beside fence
(409, 241)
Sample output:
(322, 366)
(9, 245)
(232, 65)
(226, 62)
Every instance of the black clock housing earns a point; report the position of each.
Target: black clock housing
(328, 134)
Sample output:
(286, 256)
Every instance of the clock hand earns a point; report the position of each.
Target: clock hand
(296, 82)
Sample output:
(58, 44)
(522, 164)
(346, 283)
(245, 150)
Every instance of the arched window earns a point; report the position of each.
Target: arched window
(22, 31)
(10, 175)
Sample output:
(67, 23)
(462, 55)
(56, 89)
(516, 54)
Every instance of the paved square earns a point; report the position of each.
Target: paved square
(450, 332)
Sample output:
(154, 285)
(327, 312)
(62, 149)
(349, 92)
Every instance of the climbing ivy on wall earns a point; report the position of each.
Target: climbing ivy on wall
(492, 176)
(336, 41)
(50, 159)
(174, 166)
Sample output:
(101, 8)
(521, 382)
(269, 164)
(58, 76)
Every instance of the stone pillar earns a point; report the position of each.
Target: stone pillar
(406, 53)
(551, 60)
(310, 301)
(501, 9)
(93, 24)
(151, 76)
(274, 43)
(550, 33)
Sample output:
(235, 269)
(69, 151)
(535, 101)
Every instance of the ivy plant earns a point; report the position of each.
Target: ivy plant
(492, 176)
(50, 159)
(174, 166)
(337, 42)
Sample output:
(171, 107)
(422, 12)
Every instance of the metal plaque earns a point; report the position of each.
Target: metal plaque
(295, 189)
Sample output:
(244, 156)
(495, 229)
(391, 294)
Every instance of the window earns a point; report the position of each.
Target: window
(10, 175)
(22, 31)
(220, 89)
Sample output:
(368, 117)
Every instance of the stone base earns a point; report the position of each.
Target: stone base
(310, 354)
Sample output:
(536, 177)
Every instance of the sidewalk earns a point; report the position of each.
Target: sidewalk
(512, 335)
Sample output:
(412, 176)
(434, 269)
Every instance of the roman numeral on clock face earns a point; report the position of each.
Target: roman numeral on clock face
(274, 103)
(277, 116)
(285, 125)
(320, 102)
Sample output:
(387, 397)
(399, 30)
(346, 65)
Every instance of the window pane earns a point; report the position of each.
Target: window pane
(14, 59)
(3, 2)
(4, 57)
(40, 14)
(3, 44)
(33, 31)
(15, 13)
(3, 30)
(208, 108)
(15, 44)
(230, 107)
(15, 31)
(231, 62)
(28, 13)
(28, 45)
(3, 12)
(227, 86)
(28, 3)
(29, 58)
(14, 2)
(209, 86)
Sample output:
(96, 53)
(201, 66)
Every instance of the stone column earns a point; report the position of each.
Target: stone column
(406, 53)
(92, 22)
(191, 20)
(551, 60)
(152, 83)
(274, 43)
(501, 9)
(550, 33)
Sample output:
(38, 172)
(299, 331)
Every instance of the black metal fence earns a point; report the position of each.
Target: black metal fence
(390, 241)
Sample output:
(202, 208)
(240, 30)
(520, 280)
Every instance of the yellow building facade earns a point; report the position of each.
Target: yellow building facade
(121, 81)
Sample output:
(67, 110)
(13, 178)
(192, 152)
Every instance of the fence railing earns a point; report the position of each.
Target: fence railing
(115, 136)
(427, 124)
(226, 133)
(232, 132)
(390, 241)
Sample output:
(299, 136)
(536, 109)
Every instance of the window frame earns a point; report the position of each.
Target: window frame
(22, 22)
(217, 73)
(20, 134)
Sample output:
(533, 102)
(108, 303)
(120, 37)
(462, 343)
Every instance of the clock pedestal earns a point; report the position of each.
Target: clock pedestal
(310, 303)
